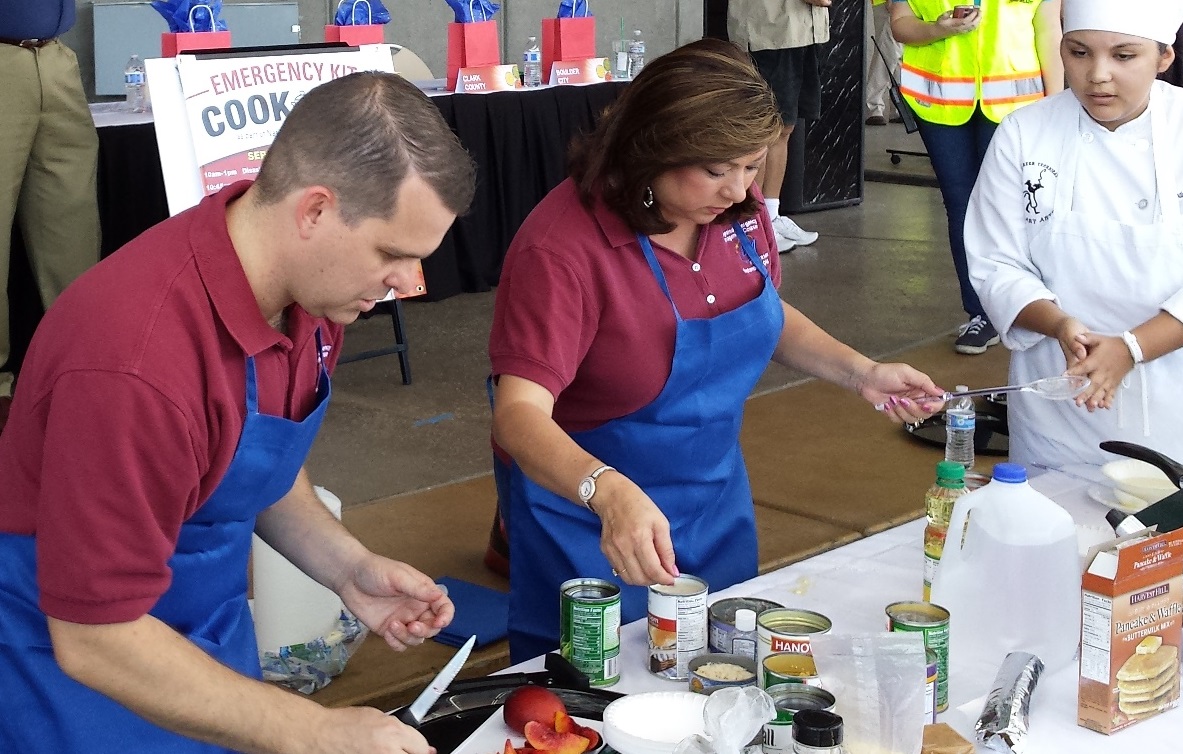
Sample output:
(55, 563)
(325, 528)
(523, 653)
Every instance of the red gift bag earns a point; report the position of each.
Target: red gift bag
(471, 45)
(173, 44)
(567, 39)
(357, 34)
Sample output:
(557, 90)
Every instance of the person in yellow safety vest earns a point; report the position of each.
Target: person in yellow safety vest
(965, 66)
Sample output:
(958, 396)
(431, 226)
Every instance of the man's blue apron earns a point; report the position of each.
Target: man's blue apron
(682, 450)
(45, 710)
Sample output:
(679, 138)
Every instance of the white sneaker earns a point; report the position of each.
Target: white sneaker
(790, 235)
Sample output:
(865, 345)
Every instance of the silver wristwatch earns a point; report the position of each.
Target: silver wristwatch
(587, 487)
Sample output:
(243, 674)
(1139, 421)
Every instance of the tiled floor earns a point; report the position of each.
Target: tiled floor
(880, 278)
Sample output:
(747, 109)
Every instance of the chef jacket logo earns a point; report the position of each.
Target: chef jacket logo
(325, 350)
(1037, 188)
(749, 226)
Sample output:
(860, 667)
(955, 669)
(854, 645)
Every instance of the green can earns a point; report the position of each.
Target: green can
(933, 622)
(589, 628)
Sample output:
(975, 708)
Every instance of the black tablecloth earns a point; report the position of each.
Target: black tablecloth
(518, 139)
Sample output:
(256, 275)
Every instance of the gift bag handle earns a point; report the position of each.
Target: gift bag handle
(586, 9)
(212, 25)
(472, 11)
(369, 12)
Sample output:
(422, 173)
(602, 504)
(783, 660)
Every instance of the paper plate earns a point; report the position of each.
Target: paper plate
(490, 737)
(653, 722)
(1105, 496)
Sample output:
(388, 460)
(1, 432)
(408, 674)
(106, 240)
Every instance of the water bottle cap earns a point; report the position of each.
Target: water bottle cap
(1013, 473)
(950, 471)
(745, 620)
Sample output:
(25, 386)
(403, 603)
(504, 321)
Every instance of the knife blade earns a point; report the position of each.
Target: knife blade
(413, 714)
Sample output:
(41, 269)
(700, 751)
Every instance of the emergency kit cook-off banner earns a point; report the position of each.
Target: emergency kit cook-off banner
(235, 106)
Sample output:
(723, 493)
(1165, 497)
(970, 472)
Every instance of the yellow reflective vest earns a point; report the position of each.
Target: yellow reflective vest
(995, 66)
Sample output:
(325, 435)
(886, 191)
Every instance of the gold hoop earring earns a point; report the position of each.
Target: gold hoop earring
(647, 202)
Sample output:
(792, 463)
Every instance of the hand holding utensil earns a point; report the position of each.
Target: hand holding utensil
(1062, 388)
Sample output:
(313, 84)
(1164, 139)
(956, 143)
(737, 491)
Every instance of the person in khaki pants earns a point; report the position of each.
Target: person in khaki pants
(48, 158)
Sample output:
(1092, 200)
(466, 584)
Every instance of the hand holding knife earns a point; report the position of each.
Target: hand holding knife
(414, 713)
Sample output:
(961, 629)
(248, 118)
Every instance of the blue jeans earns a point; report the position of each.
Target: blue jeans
(956, 153)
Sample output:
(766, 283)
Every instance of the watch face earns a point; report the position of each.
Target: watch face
(587, 488)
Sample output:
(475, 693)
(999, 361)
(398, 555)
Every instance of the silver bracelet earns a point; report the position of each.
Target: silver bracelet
(1131, 342)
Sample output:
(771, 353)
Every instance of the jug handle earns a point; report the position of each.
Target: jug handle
(951, 553)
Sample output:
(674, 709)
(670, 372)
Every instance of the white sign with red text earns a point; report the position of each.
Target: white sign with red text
(216, 116)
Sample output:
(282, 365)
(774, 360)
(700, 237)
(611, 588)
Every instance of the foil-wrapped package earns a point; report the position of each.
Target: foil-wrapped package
(1004, 722)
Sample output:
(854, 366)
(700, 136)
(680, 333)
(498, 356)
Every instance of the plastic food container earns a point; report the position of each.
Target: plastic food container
(1137, 483)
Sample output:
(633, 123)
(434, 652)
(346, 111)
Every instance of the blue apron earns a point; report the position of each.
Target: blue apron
(682, 450)
(47, 711)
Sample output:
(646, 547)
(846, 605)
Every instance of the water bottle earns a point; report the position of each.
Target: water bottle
(960, 419)
(636, 54)
(133, 85)
(532, 64)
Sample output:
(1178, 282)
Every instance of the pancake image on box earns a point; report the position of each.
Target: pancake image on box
(1149, 680)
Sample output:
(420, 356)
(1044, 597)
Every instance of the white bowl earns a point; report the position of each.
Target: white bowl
(653, 722)
(1137, 482)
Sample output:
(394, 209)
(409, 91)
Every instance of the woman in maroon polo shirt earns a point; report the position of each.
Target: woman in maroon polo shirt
(636, 310)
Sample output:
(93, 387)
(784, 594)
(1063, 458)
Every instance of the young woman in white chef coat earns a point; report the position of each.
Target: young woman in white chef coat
(1075, 242)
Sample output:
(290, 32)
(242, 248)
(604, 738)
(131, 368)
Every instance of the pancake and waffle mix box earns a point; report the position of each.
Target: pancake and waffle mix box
(1131, 620)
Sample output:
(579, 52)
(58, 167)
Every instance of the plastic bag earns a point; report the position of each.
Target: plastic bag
(878, 682)
(310, 667)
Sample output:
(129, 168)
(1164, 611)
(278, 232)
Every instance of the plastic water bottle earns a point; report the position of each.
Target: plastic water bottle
(636, 54)
(532, 64)
(960, 418)
(133, 85)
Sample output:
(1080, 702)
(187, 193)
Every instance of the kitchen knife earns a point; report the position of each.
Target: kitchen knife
(413, 715)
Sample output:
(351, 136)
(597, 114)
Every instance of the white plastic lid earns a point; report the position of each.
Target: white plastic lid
(745, 620)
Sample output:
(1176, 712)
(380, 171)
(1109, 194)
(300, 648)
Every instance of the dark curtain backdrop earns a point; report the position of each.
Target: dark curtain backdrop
(518, 139)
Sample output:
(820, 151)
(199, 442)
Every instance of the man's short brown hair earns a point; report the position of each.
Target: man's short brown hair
(703, 103)
(361, 136)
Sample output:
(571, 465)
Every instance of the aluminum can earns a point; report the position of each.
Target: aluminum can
(789, 699)
(787, 629)
(677, 626)
(589, 628)
(723, 636)
(932, 621)
(704, 681)
(788, 667)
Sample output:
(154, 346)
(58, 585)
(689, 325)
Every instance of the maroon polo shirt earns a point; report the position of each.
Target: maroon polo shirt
(130, 405)
(580, 312)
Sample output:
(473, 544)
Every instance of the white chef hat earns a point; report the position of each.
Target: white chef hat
(1152, 19)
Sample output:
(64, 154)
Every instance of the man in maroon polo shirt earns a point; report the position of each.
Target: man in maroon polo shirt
(167, 404)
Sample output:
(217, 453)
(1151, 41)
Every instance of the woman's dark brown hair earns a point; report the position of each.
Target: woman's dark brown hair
(701, 104)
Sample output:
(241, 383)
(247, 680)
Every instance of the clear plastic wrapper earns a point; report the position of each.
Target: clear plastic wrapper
(732, 718)
(1004, 722)
(878, 682)
(311, 666)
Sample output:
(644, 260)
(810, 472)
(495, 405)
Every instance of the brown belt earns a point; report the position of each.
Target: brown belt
(28, 44)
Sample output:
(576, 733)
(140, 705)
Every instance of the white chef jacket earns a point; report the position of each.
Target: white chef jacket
(1064, 210)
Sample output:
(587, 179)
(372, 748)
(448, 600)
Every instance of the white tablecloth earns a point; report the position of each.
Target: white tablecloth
(853, 584)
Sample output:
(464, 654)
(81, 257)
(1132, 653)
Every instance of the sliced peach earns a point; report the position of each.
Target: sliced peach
(508, 748)
(593, 738)
(547, 739)
(564, 723)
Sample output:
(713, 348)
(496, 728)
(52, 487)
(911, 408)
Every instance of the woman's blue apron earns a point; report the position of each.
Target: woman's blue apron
(682, 450)
(47, 711)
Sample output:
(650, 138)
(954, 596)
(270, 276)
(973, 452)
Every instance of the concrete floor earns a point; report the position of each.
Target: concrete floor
(880, 278)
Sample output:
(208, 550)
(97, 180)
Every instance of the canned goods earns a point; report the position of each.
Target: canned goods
(930, 686)
(589, 628)
(788, 667)
(724, 636)
(933, 622)
(788, 630)
(789, 699)
(677, 626)
(711, 672)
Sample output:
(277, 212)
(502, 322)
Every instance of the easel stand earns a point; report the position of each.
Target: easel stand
(400, 347)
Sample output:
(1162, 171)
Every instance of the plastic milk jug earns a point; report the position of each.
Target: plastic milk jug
(1012, 583)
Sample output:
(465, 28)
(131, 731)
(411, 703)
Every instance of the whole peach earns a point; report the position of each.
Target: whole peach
(532, 703)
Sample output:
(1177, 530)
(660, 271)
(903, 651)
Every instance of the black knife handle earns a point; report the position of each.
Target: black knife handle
(404, 715)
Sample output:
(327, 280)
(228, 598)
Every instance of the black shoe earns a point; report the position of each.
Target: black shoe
(975, 336)
(876, 120)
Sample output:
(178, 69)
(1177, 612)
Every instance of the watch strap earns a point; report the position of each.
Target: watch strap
(1131, 342)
